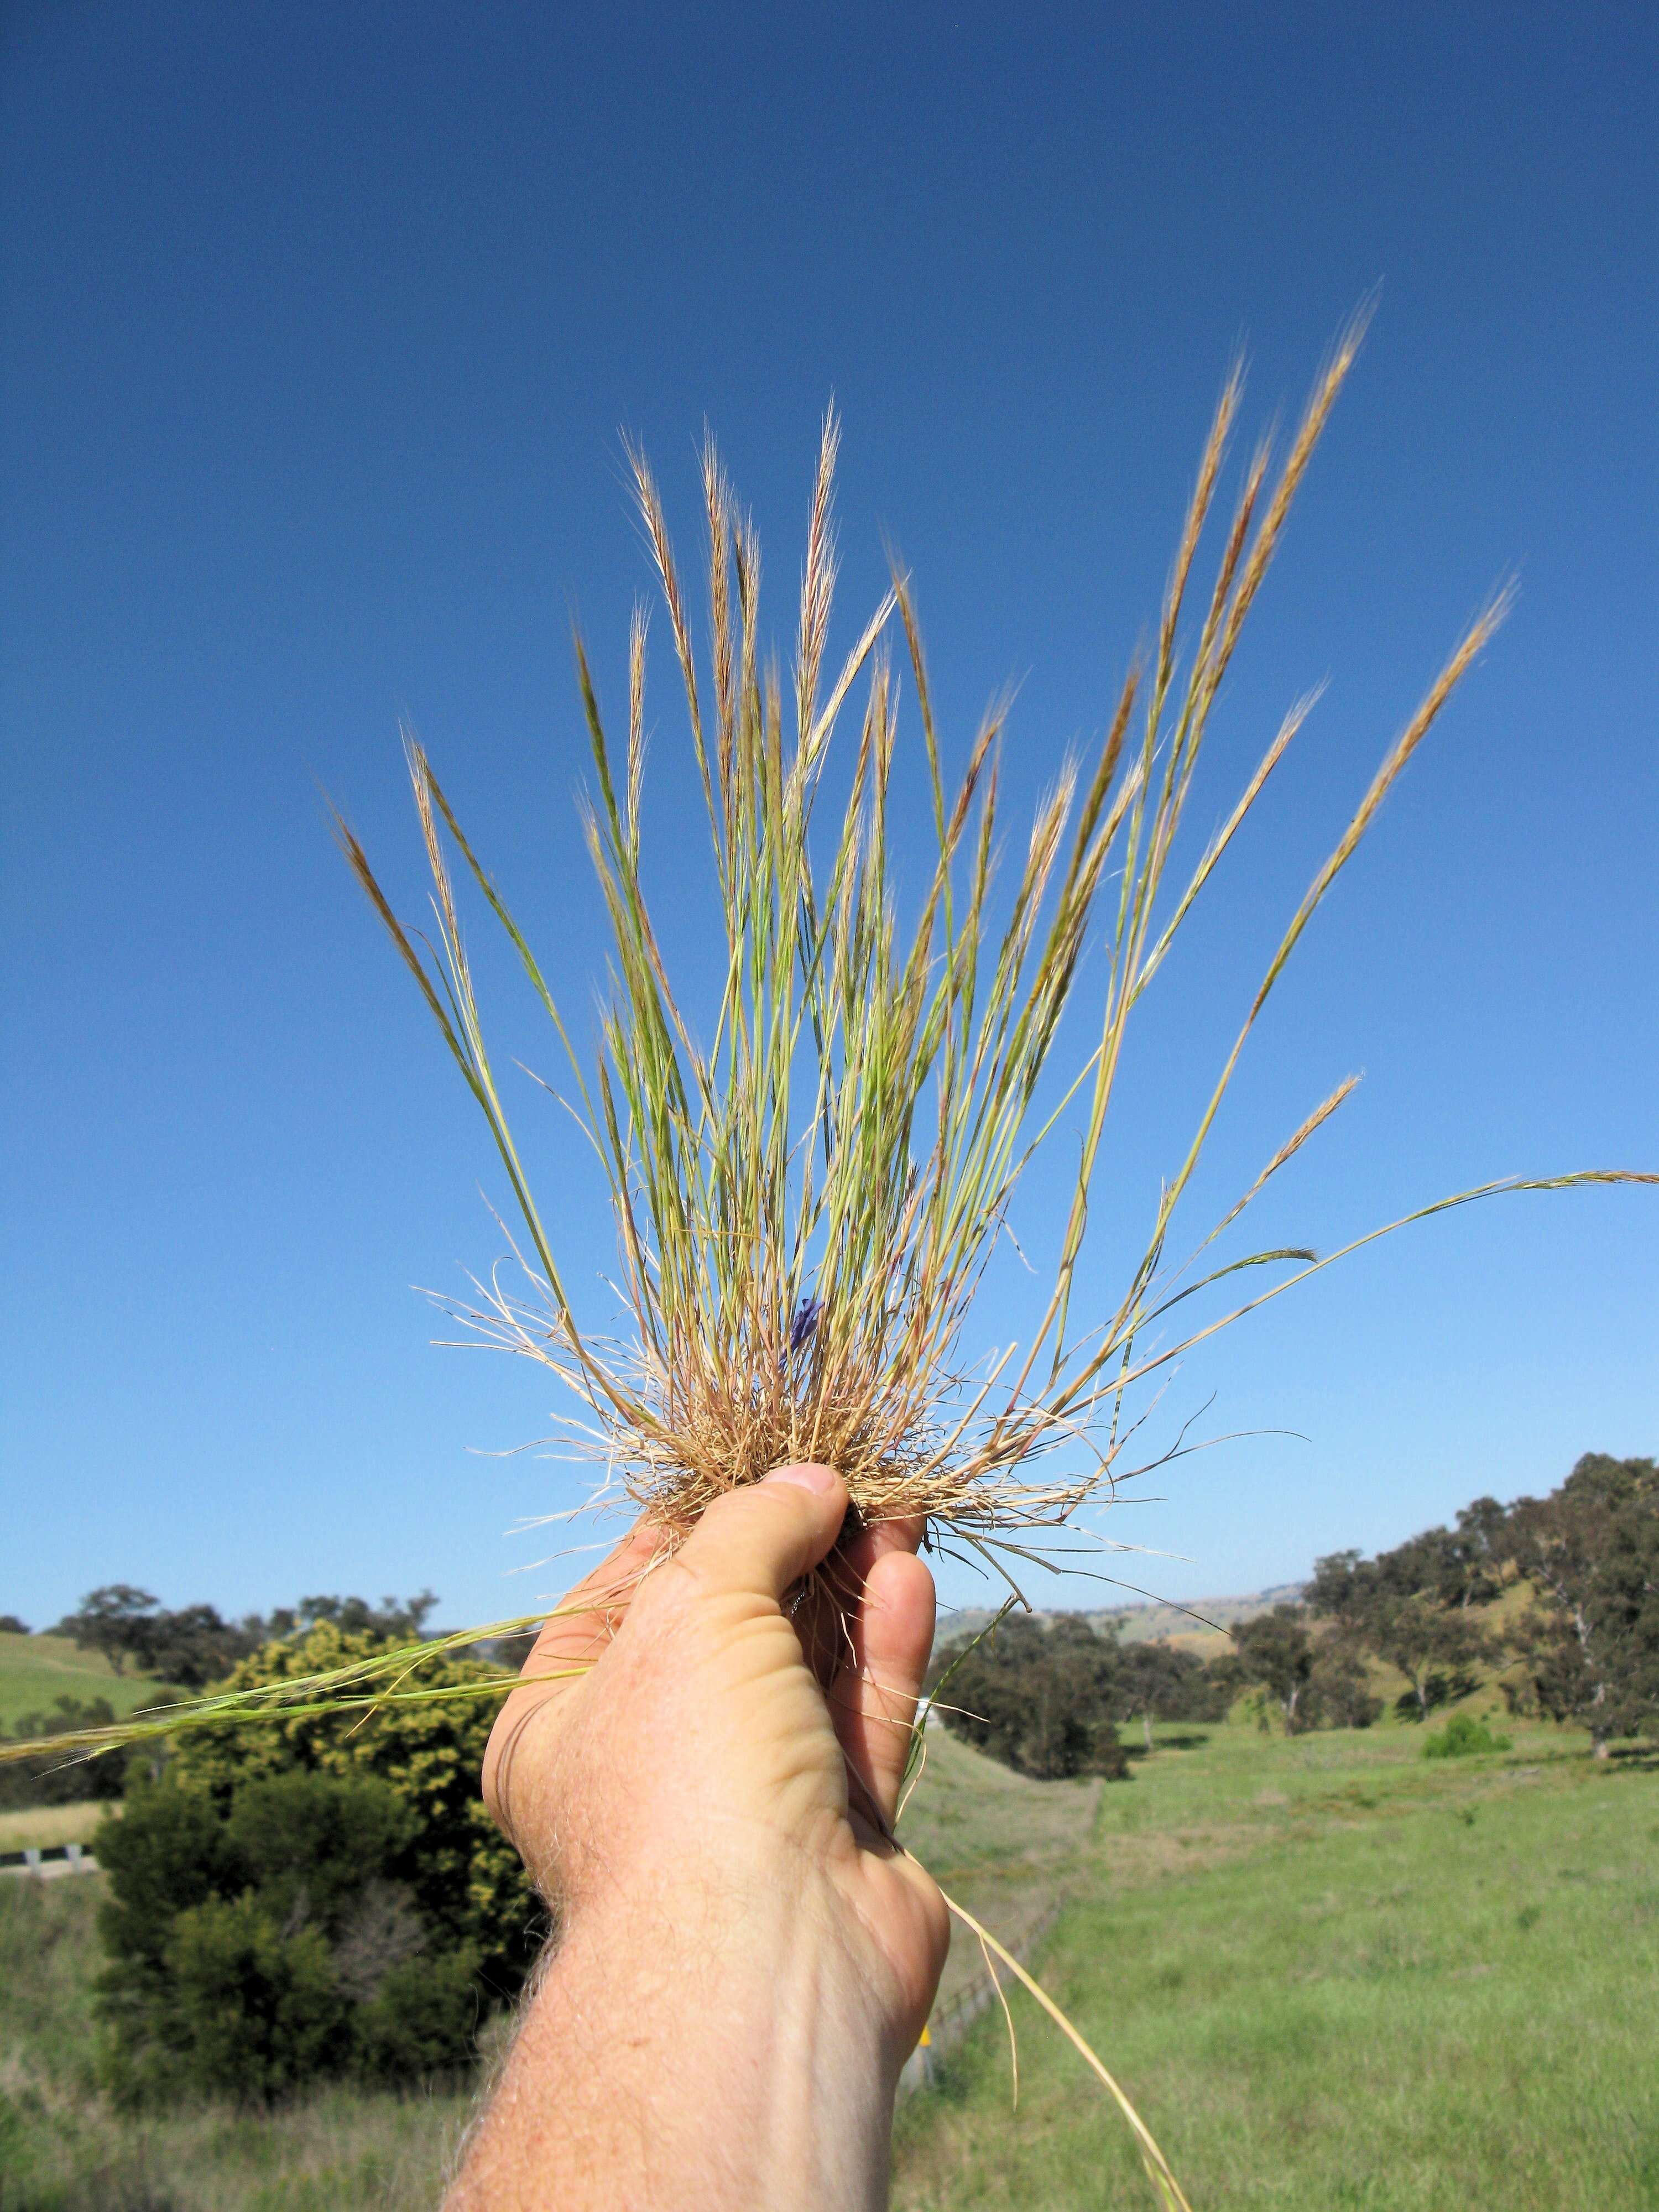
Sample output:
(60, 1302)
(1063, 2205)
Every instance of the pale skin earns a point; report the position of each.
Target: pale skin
(745, 1958)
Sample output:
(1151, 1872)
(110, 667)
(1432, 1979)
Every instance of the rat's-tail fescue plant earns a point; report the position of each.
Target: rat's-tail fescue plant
(807, 1191)
(806, 1198)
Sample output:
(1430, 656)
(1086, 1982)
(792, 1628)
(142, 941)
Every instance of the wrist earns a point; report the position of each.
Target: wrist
(701, 2042)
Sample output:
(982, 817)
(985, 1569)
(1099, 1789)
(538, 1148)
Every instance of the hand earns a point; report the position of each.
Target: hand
(745, 1959)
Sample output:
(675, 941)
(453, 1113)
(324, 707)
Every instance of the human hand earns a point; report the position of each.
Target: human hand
(745, 1958)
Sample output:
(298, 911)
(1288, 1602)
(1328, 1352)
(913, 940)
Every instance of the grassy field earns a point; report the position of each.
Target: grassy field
(1005, 1848)
(1332, 1972)
(34, 1670)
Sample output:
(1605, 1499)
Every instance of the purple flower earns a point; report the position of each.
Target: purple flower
(805, 1320)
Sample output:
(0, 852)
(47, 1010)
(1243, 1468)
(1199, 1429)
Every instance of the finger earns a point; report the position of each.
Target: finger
(761, 1539)
(824, 1622)
(876, 1538)
(873, 1701)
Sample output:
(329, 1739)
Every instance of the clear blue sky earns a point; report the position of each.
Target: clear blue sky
(321, 324)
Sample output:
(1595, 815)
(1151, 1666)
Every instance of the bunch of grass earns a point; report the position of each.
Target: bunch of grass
(806, 1199)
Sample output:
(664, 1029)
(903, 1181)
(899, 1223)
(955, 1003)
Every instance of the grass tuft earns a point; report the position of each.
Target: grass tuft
(807, 1199)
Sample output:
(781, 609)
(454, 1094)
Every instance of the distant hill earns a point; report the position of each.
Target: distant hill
(1149, 1623)
(1186, 1625)
(37, 1670)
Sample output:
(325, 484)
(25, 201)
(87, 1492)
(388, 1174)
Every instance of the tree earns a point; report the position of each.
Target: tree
(53, 1780)
(403, 1619)
(11, 1626)
(112, 1621)
(1275, 1650)
(1483, 1530)
(1591, 1549)
(1459, 1567)
(1156, 1680)
(1456, 1567)
(1423, 1640)
(1341, 1589)
(195, 1646)
(1408, 1606)
(1338, 1693)
(1038, 1697)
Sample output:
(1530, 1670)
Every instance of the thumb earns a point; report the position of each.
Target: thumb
(765, 1536)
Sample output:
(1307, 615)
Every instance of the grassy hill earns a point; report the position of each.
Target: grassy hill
(1004, 1846)
(35, 1670)
(1199, 1627)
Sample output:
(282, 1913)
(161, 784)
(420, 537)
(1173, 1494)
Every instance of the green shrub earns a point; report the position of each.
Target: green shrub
(463, 1877)
(1461, 1738)
(422, 2021)
(170, 1854)
(269, 1936)
(311, 1843)
(251, 2007)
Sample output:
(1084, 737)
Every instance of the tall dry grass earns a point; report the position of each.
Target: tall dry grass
(806, 1199)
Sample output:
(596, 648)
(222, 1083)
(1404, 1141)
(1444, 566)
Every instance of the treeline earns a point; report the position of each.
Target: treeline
(51, 1780)
(182, 1650)
(1579, 1642)
(1584, 1646)
(196, 1645)
(1046, 1697)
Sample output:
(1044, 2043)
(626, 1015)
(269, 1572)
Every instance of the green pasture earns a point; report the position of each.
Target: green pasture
(37, 1826)
(1332, 1973)
(37, 1670)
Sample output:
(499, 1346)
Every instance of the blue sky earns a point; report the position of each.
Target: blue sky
(321, 323)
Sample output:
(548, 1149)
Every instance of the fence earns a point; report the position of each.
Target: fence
(49, 1859)
(952, 2021)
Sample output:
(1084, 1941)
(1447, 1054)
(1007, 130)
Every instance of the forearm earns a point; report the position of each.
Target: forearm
(686, 2053)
